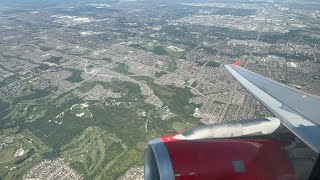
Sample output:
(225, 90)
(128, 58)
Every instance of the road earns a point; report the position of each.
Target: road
(237, 86)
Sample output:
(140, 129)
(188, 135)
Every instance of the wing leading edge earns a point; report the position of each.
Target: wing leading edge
(298, 111)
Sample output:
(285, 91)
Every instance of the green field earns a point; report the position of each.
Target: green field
(80, 110)
(180, 127)
(123, 69)
(93, 151)
(177, 99)
(33, 147)
(161, 50)
(174, 54)
(54, 59)
(45, 49)
(75, 76)
(161, 73)
(74, 51)
(7, 153)
(98, 140)
(213, 64)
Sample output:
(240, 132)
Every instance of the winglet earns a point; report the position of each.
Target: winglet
(237, 63)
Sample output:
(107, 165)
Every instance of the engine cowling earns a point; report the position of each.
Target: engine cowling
(203, 153)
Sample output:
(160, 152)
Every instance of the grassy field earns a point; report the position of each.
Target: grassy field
(45, 49)
(119, 121)
(130, 158)
(161, 50)
(81, 110)
(177, 99)
(180, 127)
(161, 73)
(104, 142)
(76, 76)
(16, 167)
(213, 64)
(123, 69)
(7, 153)
(24, 107)
(74, 51)
(92, 151)
(54, 59)
(175, 55)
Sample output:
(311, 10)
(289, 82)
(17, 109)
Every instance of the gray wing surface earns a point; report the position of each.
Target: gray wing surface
(297, 110)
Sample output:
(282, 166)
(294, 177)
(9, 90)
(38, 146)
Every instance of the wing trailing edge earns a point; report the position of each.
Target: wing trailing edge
(297, 110)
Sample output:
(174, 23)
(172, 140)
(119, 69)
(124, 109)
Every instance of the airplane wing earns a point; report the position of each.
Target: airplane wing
(297, 110)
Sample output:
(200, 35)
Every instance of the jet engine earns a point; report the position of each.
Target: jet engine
(248, 149)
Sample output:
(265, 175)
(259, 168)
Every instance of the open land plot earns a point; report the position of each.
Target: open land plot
(119, 119)
(177, 101)
(92, 151)
(13, 166)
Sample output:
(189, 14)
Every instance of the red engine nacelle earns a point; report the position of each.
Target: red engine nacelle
(172, 157)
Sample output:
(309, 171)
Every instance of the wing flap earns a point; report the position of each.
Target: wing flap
(298, 111)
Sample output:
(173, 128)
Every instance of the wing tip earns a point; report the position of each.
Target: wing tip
(237, 63)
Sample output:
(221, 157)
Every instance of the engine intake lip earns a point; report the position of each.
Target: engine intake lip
(157, 162)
